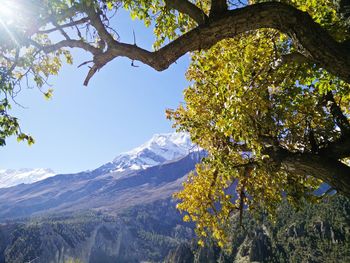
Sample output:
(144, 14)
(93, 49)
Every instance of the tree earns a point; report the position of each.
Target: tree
(269, 98)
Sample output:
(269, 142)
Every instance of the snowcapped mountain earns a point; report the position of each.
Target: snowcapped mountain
(106, 189)
(12, 177)
(160, 149)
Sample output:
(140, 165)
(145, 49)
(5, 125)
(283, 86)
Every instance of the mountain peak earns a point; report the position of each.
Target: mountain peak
(168, 141)
(159, 149)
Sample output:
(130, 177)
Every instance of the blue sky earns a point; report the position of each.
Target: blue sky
(81, 127)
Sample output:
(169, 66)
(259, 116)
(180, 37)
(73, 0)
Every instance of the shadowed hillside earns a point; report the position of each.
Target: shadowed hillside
(108, 192)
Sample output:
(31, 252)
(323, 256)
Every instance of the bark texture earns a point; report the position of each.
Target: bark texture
(329, 170)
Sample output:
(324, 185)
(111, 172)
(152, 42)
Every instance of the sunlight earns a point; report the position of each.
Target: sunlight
(8, 14)
(8, 11)
(5, 26)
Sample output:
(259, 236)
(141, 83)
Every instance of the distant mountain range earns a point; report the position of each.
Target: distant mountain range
(12, 177)
(153, 171)
(161, 148)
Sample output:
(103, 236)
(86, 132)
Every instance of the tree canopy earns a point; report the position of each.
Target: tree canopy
(268, 100)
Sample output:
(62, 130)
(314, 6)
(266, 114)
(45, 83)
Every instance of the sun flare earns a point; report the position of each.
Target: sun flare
(8, 11)
(10, 16)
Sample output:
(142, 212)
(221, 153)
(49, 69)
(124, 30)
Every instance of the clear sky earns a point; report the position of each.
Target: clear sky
(81, 128)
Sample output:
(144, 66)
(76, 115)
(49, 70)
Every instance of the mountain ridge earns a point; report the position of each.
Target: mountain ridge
(95, 190)
(12, 177)
(160, 149)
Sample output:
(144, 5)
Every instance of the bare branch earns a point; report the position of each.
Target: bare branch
(91, 73)
(186, 7)
(71, 24)
(99, 61)
(84, 63)
(61, 30)
(72, 43)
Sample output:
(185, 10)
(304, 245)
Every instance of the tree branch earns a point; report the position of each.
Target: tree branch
(340, 119)
(71, 24)
(321, 48)
(338, 149)
(71, 43)
(294, 57)
(96, 22)
(99, 61)
(186, 7)
(218, 7)
(330, 171)
(61, 30)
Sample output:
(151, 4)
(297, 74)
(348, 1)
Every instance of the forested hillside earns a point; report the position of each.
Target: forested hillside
(156, 233)
(315, 233)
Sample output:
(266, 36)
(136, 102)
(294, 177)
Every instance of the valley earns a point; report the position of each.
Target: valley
(123, 211)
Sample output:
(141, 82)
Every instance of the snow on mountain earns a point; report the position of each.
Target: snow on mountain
(159, 149)
(12, 177)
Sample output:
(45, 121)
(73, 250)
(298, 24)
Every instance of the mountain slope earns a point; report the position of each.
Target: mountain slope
(150, 232)
(161, 148)
(317, 233)
(108, 192)
(145, 232)
(12, 177)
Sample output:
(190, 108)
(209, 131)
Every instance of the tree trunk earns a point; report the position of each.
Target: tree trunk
(332, 172)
